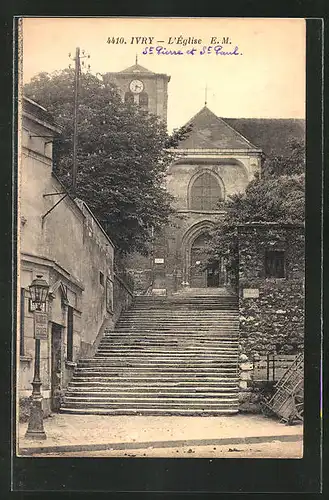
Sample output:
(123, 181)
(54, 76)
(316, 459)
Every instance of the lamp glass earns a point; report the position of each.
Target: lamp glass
(39, 290)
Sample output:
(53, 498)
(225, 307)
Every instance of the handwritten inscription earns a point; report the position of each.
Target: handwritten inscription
(217, 50)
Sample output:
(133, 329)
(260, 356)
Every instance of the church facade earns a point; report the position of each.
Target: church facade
(219, 158)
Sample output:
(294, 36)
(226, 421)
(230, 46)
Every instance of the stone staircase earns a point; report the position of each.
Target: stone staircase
(166, 356)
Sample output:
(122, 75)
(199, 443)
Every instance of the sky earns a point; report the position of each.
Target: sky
(266, 79)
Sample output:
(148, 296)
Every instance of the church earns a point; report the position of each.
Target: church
(219, 157)
(171, 345)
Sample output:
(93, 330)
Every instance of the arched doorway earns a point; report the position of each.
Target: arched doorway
(202, 274)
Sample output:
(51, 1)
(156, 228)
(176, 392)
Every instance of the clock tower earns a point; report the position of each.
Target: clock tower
(139, 85)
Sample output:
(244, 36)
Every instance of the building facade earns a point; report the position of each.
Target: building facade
(67, 246)
(219, 158)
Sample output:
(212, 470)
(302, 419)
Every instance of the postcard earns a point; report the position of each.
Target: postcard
(161, 211)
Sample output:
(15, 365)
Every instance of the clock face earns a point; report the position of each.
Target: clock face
(136, 86)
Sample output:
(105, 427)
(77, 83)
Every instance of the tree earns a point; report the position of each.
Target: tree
(278, 195)
(123, 155)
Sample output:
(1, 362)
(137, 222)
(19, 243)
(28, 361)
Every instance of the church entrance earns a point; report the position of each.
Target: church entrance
(202, 275)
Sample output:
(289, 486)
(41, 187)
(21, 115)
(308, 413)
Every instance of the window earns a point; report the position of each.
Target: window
(69, 346)
(144, 100)
(205, 192)
(129, 98)
(274, 264)
(101, 278)
(22, 314)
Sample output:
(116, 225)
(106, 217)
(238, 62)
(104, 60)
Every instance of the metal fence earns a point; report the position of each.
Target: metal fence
(271, 367)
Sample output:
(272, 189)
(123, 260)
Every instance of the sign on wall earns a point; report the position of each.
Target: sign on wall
(159, 261)
(250, 293)
(40, 325)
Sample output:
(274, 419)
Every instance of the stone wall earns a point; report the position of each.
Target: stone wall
(271, 309)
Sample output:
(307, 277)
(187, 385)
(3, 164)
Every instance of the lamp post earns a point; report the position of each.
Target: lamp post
(39, 291)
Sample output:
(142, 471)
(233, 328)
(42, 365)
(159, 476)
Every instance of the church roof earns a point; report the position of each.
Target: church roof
(136, 68)
(271, 135)
(211, 132)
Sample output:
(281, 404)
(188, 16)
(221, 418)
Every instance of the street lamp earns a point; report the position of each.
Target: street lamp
(39, 291)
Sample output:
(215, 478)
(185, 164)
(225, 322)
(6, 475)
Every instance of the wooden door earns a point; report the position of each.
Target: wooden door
(198, 271)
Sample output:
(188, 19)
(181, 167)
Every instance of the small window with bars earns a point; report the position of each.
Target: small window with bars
(274, 264)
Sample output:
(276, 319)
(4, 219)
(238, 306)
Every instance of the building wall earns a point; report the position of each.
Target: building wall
(271, 309)
(70, 249)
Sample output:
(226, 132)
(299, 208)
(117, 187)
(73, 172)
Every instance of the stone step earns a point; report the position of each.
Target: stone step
(171, 339)
(156, 389)
(211, 315)
(171, 325)
(198, 306)
(170, 342)
(149, 411)
(172, 336)
(171, 359)
(147, 300)
(122, 356)
(175, 301)
(193, 326)
(128, 350)
(187, 373)
(150, 402)
(181, 314)
(205, 334)
(107, 394)
(166, 356)
(134, 379)
(148, 364)
(148, 395)
(178, 366)
(142, 410)
(187, 334)
(135, 346)
(125, 349)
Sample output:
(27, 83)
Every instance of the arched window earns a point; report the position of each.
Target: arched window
(129, 98)
(205, 192)
(144, 100)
